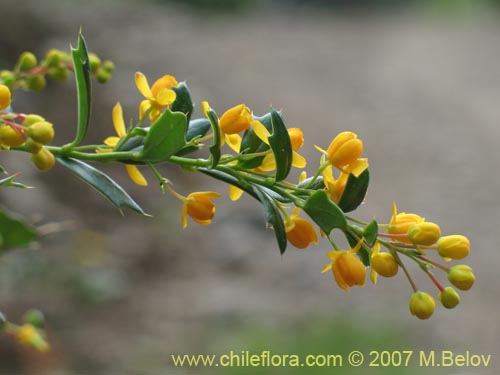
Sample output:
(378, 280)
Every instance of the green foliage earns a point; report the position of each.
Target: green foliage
(14, 232)
(324, 212)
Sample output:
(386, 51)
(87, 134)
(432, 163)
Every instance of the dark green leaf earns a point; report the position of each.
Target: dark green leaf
(215, 149)
(183, 101)
(324, 212)
(166, 136)
(102, 183)
(371, 233)
(281, 145)
(227, 178)
(355, 191)
(14, 232)
(316, 185)
(197, 128)
(82, 75)
(273, 217)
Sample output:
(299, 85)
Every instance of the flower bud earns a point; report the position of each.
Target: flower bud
(9, 137)
(53, 57)
(27, 61)
(34, 317)
(58, 74)
(461, 276)
(345, 149)
(296, 138)
(384, 264)
(424, 233)
(454, 247)
(28, 335)
(422, 305)
(31, 146)
(43, 159)
(94, 62)
(7, 76)
(37, 83)
(5, 97)
(236, 119)
(108, 66)
(102, 75)
(31, 119)
(449, 297)
(42, 132)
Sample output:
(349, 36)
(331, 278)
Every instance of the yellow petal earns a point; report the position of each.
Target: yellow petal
(358, 167)
(328, 267)
(166, 97)
(338, 277)
(142, 85)
(205, 107)
(268, 163)
(233, 141)
(261, 131)
(111, 141)
(298, 160)
(373, 276)
(184, 216)
(118, 120)
(165, 82)
(235, 193)
(143, 107)
(303, 176)
(135, 175)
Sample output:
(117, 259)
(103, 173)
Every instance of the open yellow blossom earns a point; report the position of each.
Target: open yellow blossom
(347, 269)
(5, 97)
(158, 97)
(296, 139)
(199, 207)
(112, 141)
(300, 232)
(345, 149)
(400, 223)
(236, 119)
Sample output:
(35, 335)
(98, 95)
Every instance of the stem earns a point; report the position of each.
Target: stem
(410, 280)
(436, 264)
(434, 280)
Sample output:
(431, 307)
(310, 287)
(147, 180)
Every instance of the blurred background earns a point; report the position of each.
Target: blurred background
(417, 80)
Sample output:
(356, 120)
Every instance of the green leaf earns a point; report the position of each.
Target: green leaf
(215, 149)
(281, 145)
(9, 181)
(273, 217)
(317, 184)
(324, 212)
(166, 136)
(113, 192)
(82, 75)
(14, 232)
(371, 233)
(183, 102)
(196, 129)
(355, 191)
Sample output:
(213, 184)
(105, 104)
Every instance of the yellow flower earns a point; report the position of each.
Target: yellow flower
(347, 269)
(400, 223)
(5, 97)
(345, 149)
(300, 232)
(119, 126)
(334, 187)
(382, 264)
(158, 97)
(28, 335)
(199, 207)
(236, 119)
(296, 139)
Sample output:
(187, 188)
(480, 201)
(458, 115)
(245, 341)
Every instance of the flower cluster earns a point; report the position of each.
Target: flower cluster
(31, 333)
(251, 153)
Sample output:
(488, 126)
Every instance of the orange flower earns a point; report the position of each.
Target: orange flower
(158, 97)
(199, 207)
(300, 232)
(347, 269)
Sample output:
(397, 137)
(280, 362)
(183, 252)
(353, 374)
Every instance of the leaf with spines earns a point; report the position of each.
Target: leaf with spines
(324, 212)
(101, 182)
(354, 191)
(183, 102)
(281, 145)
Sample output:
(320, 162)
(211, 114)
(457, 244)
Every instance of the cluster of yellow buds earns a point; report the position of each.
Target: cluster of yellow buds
(29, 73)
(31, 132)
